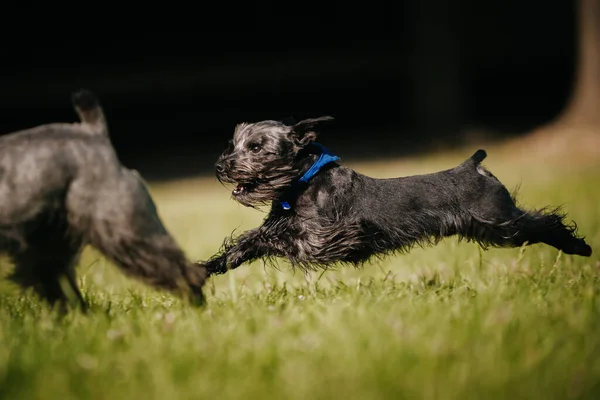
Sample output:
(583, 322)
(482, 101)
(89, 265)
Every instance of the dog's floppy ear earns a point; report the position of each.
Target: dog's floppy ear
(303, 132)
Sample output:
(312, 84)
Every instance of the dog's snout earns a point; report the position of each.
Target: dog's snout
(223, 166)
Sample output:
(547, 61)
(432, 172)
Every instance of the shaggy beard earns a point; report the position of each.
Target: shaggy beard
(263, 186)
(261, 189)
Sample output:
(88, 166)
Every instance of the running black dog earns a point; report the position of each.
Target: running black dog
(323, 213)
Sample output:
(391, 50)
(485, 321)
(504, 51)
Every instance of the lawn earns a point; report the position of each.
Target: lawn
(448, 322)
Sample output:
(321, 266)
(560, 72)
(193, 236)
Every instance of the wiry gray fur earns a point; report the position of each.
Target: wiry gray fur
(343, 217)
(62, 187)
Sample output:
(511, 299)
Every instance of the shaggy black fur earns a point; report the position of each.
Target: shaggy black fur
(341, 216)
(62, 187)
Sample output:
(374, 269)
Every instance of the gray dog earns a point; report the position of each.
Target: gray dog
(62, 187)
(323, 213)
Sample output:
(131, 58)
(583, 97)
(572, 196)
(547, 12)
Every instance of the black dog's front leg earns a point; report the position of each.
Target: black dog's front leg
(247, 247)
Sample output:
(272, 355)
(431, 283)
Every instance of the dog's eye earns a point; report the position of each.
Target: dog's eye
(255, 147)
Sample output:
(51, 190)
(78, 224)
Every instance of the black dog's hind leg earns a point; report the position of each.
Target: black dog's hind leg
(516, 227)
(549, 228)
(247, 247)
(496, 219)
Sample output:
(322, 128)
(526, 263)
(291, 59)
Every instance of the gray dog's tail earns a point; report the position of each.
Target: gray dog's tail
(479, 156)
(475, 159)
(90, 111)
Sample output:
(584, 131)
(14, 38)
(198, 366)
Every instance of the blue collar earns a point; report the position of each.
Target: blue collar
(325, 158)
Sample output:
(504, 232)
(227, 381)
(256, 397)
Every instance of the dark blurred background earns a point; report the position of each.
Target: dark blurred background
(399, 77)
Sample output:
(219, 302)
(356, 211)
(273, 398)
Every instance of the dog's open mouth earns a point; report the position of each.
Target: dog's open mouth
(241, 189)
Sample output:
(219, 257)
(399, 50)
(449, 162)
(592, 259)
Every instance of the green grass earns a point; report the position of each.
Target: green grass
(450, 322)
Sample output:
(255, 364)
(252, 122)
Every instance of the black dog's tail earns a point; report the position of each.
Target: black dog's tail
(473, 163)
(90, 111)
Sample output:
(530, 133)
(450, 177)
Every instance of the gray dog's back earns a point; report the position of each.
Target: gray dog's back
(38, 166)
(62, 187)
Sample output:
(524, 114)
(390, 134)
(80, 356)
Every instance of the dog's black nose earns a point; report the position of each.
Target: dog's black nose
(220, 167)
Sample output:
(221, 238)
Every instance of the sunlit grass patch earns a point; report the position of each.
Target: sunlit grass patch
(450, 321)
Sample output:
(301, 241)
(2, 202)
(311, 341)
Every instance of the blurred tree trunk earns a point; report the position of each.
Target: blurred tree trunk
(575, 132)
(583, 108)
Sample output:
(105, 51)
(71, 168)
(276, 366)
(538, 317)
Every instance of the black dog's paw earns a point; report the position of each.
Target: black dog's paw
(215, 266)
(580, 248)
